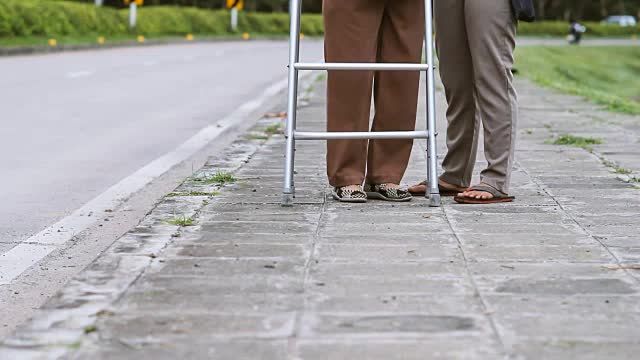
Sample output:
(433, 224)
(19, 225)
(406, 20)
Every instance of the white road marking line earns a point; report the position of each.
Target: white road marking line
(13, 262)
(77, 74)
(20, 258)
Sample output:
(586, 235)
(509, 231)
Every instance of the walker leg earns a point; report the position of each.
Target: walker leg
(432, 149)
(288, 193)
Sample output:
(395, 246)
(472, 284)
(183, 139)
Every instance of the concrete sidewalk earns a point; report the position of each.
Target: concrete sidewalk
(552, 276)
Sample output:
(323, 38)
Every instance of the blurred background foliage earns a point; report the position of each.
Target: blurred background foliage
(586, 10)
(81, 18)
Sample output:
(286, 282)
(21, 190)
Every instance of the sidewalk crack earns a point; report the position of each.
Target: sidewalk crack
(293, 339)
(477, 293)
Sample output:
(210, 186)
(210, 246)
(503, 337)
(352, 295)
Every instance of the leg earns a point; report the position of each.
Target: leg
(351, 35)
(456, 71)
(396, 92)
(492, 33)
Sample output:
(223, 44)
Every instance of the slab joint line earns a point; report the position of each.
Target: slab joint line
(476, 289)
(587, 232)
(291, 353)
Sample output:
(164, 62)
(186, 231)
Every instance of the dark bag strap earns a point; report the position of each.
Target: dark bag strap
(524, 10)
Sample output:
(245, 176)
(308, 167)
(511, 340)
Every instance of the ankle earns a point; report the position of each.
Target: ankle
(446, 185)
(387, 186)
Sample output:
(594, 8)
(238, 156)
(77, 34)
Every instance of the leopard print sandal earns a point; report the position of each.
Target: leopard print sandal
(387, 193)
(344, 194)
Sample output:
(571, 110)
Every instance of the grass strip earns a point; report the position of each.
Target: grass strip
(607, 75)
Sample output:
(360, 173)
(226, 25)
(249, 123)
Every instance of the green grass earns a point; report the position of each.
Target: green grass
(90, 328)
(577, 141)
(182, 221)
(219, 178)
(607, 75)
(273, 129)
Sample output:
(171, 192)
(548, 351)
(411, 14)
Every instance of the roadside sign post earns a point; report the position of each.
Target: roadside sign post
(235, 5)
(133, 12)
(234, 19)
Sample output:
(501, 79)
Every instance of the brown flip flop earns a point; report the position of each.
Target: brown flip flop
(443, 191)
(498, 197)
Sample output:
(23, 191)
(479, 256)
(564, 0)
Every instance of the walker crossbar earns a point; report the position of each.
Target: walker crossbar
(291, 134)
(362, 66)
(305, 135)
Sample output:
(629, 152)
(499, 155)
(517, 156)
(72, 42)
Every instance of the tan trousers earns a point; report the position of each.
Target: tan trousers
(475, 43)
(371, 31)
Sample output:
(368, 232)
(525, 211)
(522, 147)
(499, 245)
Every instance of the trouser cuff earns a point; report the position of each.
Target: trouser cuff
(455, 181)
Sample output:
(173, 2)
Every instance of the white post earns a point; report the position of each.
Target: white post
(133, 9)
(234, 19)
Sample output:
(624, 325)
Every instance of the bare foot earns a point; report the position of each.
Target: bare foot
(422, 187)
(479, 195)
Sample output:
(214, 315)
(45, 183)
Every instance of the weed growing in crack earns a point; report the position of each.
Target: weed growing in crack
(219, 178)
(616, 168)
(193, 193)
(273, 129)
(577, 141)
(181, 221)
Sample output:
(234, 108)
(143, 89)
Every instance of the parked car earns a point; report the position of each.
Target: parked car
(621, 20)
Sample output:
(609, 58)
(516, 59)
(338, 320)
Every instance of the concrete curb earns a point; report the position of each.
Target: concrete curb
(34, 50)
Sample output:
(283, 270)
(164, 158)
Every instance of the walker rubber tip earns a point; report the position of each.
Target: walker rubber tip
(434, 200)
(287, 200)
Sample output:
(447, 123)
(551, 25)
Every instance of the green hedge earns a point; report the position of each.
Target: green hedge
(61, 18)
(21, 18)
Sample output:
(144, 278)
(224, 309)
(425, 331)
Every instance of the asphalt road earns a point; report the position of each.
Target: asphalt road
(74, 124)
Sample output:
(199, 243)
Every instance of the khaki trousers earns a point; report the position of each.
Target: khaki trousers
(371, 31)
(475, 44)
